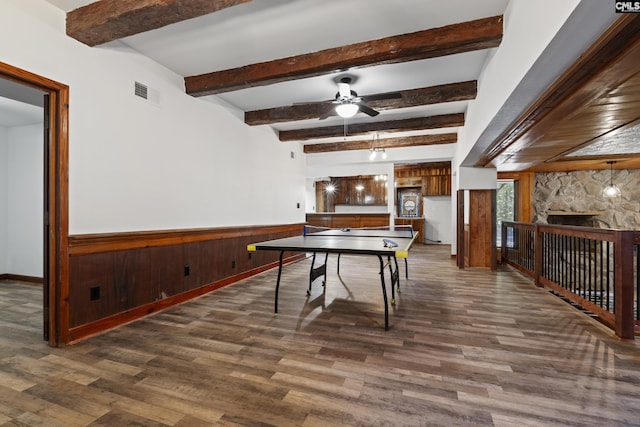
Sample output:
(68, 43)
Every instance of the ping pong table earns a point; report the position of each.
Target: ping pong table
(388, 243)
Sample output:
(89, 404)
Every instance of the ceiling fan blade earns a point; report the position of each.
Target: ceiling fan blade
(382, 96)
(344, 90)
(329, 113)
(368, 110)
(328, 101)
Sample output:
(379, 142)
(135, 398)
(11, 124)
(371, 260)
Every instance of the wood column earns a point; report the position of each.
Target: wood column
(460, 229)
(623, 282)
(482, 229)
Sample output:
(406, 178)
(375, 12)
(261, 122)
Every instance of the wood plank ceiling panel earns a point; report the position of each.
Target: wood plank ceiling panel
(593, 121)
(597, 95)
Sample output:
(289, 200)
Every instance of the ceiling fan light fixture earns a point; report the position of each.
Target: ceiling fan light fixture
(347, 110)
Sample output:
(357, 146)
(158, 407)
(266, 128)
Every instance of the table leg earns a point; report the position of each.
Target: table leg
(275, 308)
(395, 260)
(406, 269)
(324, 281)
(393, 280)
(313, 261)
(314, 273)
(384, 294)
(395, 277)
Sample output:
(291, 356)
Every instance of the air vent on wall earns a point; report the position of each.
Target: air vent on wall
(145, 92)
(141, 90)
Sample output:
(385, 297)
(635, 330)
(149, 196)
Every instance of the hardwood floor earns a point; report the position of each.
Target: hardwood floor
(464, 347)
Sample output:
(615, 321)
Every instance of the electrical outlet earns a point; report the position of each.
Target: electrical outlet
(187, 270)
(233, 264)
(94, 293)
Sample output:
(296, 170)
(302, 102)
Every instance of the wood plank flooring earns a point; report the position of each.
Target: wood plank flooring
(464, 348)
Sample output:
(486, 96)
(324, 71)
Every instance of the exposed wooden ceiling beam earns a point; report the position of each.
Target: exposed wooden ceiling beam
(410, 98)
(457, 38)
(418, 167)
(107, 20)
(365, 144)
(421, 123)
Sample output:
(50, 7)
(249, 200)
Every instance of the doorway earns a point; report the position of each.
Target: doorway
(55, 199)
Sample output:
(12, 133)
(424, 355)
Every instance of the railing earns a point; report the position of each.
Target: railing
(594, 268)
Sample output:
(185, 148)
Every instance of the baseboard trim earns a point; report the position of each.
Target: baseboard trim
(33, 280)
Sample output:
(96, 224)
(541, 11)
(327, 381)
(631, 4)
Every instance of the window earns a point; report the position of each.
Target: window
(505, 205)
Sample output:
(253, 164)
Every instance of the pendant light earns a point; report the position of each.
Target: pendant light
(611, 190)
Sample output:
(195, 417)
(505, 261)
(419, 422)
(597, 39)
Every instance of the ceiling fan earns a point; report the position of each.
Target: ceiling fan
(348, 103)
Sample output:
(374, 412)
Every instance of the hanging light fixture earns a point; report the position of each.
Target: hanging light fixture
(375, 150)
(374, 153)
(611, 190)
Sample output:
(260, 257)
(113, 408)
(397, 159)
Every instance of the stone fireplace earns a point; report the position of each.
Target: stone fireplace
(575, 198)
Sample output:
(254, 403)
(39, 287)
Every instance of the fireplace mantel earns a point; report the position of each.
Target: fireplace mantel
(571, 213)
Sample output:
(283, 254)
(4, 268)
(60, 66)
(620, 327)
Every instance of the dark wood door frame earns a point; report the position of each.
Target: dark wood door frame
(57, 204)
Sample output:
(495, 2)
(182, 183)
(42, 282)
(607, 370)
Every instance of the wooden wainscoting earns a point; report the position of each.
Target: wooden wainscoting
(351, 220)
(119, 277)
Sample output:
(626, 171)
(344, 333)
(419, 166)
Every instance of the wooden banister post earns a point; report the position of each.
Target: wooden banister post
(493, 208)
(503, 239)
(460, 229)
(537, 255)
(623, 282)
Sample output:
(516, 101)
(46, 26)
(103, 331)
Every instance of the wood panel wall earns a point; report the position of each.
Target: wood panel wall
(119, 277)
(344, 220)
(348, 192)
(434, 179)
(481, 235)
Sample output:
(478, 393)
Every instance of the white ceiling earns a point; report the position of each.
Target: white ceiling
(263, 30)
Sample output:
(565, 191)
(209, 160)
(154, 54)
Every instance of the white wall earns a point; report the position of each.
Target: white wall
(438, 219)
(135, 165)
(477, 178)
(24, 200)
(3, 199)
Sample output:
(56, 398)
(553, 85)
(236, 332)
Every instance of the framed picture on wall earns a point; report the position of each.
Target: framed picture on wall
(409, 204)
